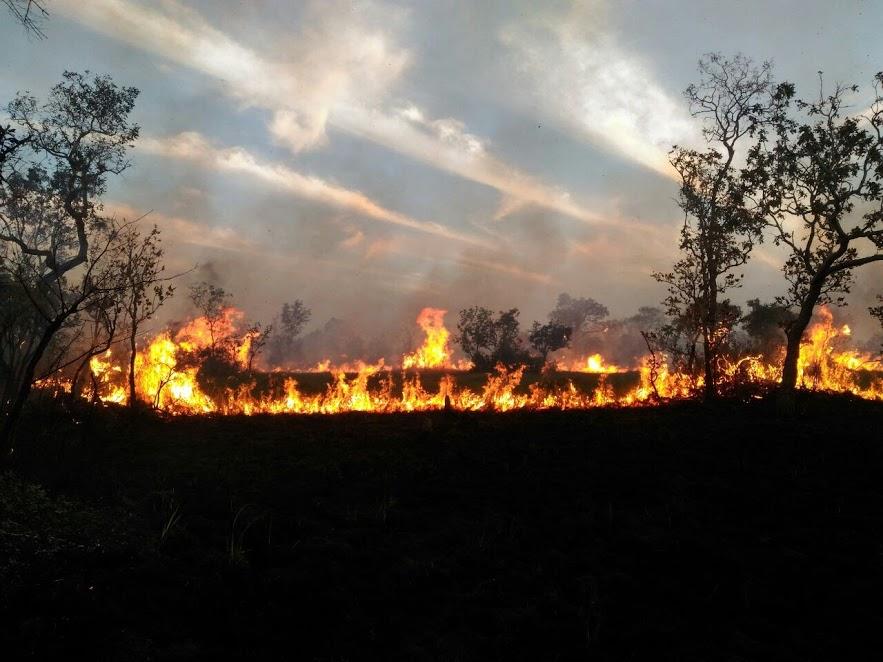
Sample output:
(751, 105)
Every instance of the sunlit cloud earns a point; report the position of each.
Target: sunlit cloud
(336, 74)
(506, 269)
(457, 152)
(180, 230)
(193, 146)
(578, 75)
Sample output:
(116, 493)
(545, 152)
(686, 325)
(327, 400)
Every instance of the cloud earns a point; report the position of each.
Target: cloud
(336, 72)
(446, 145)
(186, 231)
(578, 75)
(194, 147)
(337, 58)
(509, 270)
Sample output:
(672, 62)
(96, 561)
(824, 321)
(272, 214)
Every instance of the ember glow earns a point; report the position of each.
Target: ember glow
(169, 376)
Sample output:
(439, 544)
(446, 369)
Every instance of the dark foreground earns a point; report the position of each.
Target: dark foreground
(680, 533)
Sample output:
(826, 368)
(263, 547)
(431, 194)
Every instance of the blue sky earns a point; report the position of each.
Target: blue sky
(373, 158)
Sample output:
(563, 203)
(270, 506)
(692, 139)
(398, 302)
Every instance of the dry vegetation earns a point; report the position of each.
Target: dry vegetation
(683, 532)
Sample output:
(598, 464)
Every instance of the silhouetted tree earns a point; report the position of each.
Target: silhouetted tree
(577, 313)
(488, 340)
(765, 325)
(54, 244)
(258, 335)
(877, 311)
(98, 322)
(733, 100)
(818, 181)
(140, 273)
(547, 338)
(211, 301)
(292, 319)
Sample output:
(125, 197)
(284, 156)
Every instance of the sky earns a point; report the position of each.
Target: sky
(373, 158)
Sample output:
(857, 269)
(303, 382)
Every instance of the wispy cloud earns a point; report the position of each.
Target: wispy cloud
(446, 145)
(577, 74)
(186, 231)
(326, 63)
(193, 146)
(338, 73)
(505, 268)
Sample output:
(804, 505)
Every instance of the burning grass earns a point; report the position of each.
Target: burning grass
(175, 373)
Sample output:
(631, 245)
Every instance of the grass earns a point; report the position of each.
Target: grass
(314, 383)
(682, 533)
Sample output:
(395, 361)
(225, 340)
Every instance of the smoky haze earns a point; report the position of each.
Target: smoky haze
(375, 158)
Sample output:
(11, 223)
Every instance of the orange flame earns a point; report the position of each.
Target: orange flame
(167, 379)
(434, 353)
(594, 364)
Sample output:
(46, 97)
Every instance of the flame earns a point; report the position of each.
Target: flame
(594, 364)
(168, 376)
(823, 366)
(434, 353)
(105, 373)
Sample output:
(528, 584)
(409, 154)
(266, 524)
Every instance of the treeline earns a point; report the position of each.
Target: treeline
(804, 173)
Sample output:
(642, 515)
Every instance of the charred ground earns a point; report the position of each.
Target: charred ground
(679, 532)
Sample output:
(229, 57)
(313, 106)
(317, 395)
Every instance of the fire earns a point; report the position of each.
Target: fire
(825, 367)
(434, 353)
(170, 376)
(594, 364)
(105, 372)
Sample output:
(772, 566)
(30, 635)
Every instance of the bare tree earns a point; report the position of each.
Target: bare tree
(30, 13)
(818, 181)
(211, 301)
(99, 321)
(143, 288)
(258, 335)
(54, 243)
(733, 100)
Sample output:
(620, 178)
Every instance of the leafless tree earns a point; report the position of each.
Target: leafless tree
(211, 301)
(258, 335)
(99, 321)
(143, 288)
(30, 13)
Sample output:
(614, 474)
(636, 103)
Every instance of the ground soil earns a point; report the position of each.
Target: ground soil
(683, 532)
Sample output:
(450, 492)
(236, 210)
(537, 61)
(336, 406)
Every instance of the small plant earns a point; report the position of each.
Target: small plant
(174, 516)
(238, 529)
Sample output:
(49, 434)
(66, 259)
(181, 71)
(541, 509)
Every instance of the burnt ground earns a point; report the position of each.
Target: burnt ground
(678, 533)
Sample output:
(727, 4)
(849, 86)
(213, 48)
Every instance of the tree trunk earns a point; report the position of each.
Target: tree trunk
(792, 351)
(75, 381)
(709, 391)
(787, 388)
(132, 354)
(708, 341)
(7, 431)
